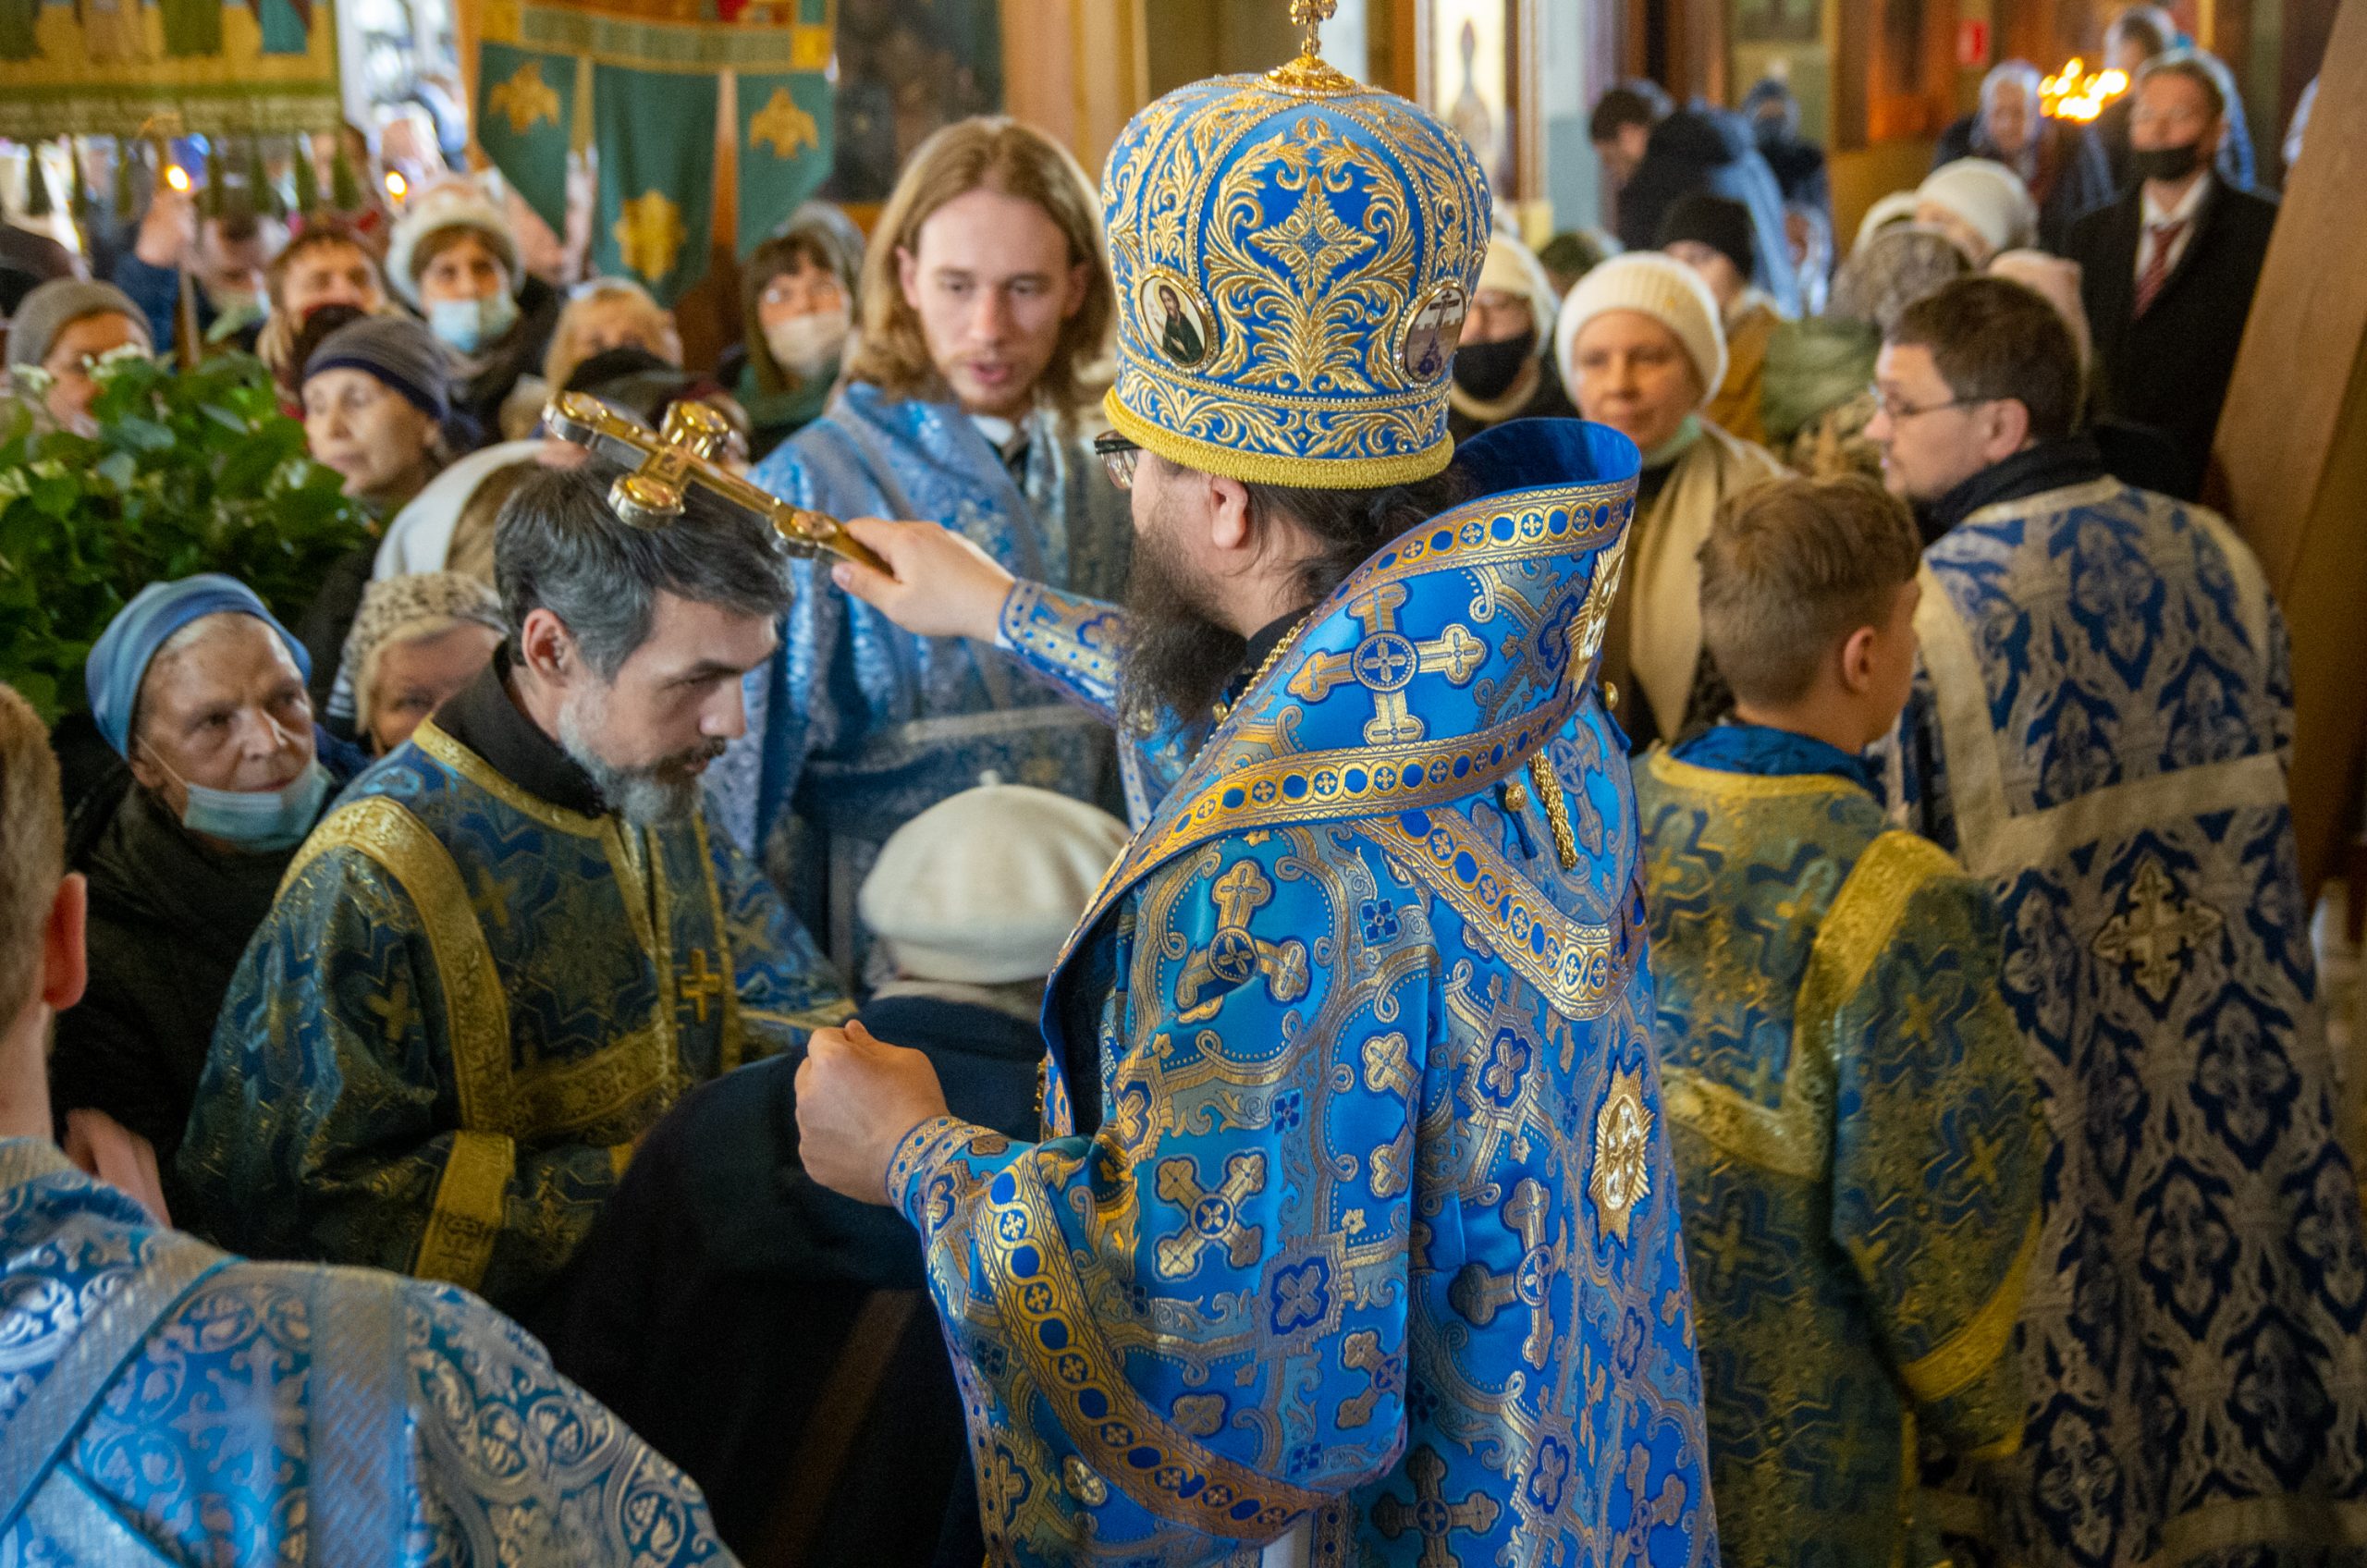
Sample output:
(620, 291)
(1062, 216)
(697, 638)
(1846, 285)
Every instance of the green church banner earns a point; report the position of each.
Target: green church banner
(112, 68)
(785, 148)
(655, 87)
(525, 118)
(655, 132)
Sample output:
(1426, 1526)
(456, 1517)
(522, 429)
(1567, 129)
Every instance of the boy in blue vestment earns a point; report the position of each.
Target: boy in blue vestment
(1856, 1146)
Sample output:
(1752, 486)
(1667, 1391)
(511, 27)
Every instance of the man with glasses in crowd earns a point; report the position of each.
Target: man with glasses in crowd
(2100, 730)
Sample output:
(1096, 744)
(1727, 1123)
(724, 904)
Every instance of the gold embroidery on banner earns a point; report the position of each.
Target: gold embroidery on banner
(470, 1210)
(1960, 1360)
(483, 776)
(476, 1009)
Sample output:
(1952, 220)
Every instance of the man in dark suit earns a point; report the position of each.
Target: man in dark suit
(2168, 269)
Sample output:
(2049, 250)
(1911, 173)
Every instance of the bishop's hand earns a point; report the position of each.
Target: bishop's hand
(943, 585)
(856, 1099)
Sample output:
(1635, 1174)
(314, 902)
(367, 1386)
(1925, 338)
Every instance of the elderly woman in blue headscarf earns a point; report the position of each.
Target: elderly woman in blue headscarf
(199, 691)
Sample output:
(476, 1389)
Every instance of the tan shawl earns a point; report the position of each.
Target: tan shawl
(1661, 601)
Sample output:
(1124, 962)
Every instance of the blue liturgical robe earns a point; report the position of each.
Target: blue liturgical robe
(163, 1402)
(467, 1004)
(857, 727)
(1857, 1142)
(1354, 1214)
(2100, 732)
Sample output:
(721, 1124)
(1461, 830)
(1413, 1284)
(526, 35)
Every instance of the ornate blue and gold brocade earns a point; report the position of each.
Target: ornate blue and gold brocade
(464, 1008)
(2100, 732)
(1295, 256)
(1358, 1215)
(1857, 1142)
(164, 1403)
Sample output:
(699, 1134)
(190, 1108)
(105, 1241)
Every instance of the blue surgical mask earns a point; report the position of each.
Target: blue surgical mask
(467, 325)
(264, 822)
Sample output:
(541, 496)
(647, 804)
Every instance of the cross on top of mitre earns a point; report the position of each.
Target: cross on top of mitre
(1308, 17)
(663, 466)
(1309, 74)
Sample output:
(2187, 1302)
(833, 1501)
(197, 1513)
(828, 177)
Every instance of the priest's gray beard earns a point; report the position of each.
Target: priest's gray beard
(1178, 657)
(649, 795)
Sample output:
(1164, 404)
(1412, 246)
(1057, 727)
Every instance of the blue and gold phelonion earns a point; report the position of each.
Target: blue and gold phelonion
(1295, 255)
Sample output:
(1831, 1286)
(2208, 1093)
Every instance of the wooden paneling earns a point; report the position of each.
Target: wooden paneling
(2291, 453)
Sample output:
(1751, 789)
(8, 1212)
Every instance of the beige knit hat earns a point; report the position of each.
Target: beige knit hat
(984, 887)
(1989, 198)
(1654, 285)
(1512, 268)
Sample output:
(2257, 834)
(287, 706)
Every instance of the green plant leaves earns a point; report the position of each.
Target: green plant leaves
(195, 473)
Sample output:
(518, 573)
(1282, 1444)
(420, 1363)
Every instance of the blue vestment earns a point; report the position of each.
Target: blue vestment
(164, 1403)
(2100, 731)
(857, 727)
(1355, 1213)
(466, 1005)
(1857, 1142)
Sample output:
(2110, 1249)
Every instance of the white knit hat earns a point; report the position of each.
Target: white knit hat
(1654, 285)
(985, 887)
(455, 203)
(1990, 198)
(1512, 268)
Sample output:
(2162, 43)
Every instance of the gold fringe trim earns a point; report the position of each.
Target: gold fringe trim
(1269, 468)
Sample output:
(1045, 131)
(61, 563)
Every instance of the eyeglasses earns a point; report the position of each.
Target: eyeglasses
(1899, 411)
(1119, 456)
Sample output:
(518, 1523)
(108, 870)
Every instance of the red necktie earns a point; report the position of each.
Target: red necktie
(2163, 237)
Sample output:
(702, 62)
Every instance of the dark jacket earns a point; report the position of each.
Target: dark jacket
(2073, 175)
(777, 1341)
(2170, 369)
(1700, 148)
(170, 921)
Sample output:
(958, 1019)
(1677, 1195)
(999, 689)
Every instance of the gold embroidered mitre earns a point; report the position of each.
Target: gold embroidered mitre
(1294, 254)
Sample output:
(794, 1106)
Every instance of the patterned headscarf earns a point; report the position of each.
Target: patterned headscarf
(395, 609)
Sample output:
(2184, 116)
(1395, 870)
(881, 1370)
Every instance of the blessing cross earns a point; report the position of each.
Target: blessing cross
(1431, 1516)
(1213, 1214)
(1479, 1295)
(1385, 664)
(1234, 956)
(702, 983)
(665, 467)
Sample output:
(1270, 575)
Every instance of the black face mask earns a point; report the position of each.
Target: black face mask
(2166, 163)
(1487, 371)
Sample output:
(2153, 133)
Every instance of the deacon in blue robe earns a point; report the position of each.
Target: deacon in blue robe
(163, 1402)
(478, 988)
(2100, 731)
(1857, 1141)
(857, 727)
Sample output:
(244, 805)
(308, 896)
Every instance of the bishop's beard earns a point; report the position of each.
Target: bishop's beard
(1178, 657)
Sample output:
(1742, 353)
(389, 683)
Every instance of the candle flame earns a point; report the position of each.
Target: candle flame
(176, 177)
(396, 186)
(2077, 93)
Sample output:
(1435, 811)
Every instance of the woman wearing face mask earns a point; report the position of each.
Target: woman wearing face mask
(1641, 345)
(1503, 368)
(455, 262)
(798, 306)
(201, 692)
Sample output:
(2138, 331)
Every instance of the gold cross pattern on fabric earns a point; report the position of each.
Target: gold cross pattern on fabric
(1385, 664)
(700, 983)
(1234, 957)
(1479, 1293)
(2154, 929)
(664, 467)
